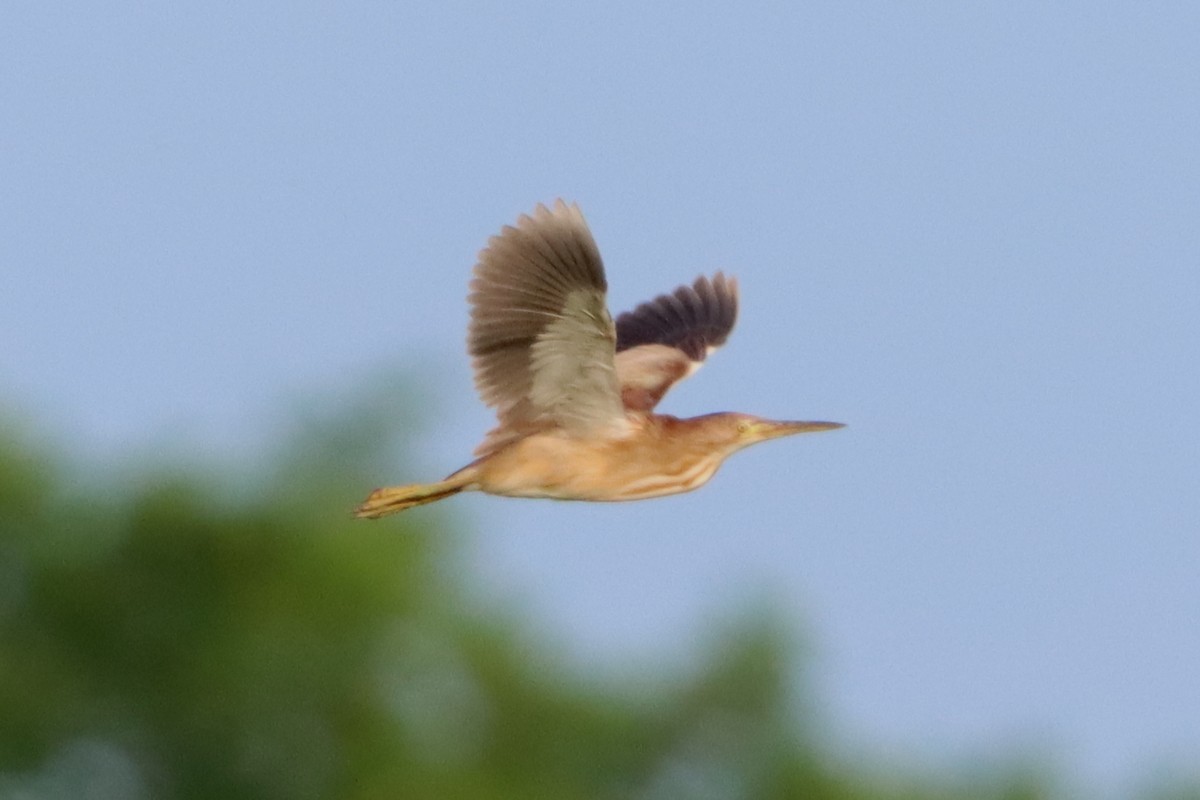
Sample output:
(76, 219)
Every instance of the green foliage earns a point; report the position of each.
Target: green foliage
(184, 637)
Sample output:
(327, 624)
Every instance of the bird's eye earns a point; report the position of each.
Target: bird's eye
(743, 426)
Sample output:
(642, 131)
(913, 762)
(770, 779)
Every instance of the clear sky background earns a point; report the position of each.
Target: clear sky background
(971, 231)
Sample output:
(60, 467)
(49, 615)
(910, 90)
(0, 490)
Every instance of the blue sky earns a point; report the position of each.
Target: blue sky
(967, 230)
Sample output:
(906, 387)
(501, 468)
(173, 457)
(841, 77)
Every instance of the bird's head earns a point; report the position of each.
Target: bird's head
(736, 431)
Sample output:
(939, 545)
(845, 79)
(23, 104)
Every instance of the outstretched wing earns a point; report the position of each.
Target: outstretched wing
(668, 338)
(541, 338)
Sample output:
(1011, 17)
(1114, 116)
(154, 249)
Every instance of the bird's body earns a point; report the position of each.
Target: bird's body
(575, 392)
(654, 457)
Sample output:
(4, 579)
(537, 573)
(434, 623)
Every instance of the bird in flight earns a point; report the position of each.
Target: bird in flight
(575, 393)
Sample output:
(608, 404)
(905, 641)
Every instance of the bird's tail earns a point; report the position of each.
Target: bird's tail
(393, 499)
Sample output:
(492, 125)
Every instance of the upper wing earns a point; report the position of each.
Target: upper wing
(668, 338)
(541, 337)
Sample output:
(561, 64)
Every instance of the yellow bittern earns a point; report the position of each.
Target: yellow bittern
(574, 392)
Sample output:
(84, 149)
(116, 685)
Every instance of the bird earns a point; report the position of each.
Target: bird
(574, 391)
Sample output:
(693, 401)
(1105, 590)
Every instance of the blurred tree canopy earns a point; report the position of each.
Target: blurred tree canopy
(182, 635)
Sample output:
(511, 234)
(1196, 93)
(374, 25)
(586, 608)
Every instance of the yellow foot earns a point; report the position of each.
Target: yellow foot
(393, 499)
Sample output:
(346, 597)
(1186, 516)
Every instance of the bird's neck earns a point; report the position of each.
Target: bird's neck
(671, 428)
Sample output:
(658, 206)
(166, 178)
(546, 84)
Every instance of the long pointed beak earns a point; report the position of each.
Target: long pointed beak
(776, 429)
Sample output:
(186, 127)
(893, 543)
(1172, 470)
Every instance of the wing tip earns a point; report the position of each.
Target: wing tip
(695, 318)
